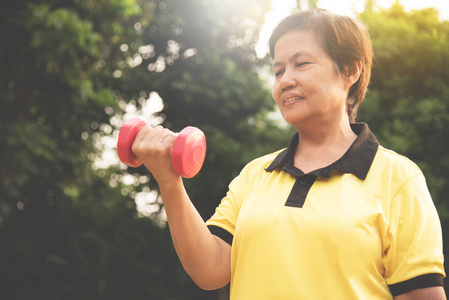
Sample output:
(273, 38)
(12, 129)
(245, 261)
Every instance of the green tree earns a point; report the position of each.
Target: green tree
(208, 77)
(70, 229)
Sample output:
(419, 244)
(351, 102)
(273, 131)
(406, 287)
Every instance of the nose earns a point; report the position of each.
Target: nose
(287, 81)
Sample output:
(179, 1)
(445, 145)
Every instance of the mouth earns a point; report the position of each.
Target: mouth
(292, 99)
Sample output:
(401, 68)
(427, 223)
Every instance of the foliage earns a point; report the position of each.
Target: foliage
(206, 71)
(70, 229)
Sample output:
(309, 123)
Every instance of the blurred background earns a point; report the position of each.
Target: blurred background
(75, 223)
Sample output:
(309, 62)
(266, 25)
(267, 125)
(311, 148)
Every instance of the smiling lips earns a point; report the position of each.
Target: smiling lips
(292, 99)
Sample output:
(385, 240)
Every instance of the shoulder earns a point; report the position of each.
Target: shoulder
(389, 159)
(397, 175)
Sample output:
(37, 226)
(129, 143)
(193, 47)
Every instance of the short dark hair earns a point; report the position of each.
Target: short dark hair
(345, 40)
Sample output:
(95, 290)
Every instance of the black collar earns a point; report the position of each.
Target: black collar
(357, 160)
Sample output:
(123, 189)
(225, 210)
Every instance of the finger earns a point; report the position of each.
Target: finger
(166, 136)
(148, 133)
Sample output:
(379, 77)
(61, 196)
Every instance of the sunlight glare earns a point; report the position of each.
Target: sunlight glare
(281, 8)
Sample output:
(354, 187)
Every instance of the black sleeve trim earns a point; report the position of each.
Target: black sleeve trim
(419, 282)
(221, 233)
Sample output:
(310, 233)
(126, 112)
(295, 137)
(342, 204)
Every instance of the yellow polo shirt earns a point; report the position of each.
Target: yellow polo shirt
(364, 227)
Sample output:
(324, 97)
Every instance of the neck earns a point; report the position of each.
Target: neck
(321, 145)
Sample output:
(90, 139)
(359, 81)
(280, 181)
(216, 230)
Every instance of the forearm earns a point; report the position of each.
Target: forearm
(205, 258)
(201, 255)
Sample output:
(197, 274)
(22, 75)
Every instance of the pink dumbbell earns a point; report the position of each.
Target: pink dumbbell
(188, 153)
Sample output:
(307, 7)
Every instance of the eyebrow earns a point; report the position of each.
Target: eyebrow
(293, 57)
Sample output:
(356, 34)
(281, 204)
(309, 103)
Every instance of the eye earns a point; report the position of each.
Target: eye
(278, 73)
(300, 64)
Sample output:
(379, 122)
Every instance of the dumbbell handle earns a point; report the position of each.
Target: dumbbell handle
(188, 153)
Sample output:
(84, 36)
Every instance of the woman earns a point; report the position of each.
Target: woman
(334, 215)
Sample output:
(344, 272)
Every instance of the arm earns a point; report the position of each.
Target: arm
(430, 293)
(205, 257)
(414, 261)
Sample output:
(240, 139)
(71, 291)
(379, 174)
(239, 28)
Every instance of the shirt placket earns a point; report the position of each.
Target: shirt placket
(300, 190)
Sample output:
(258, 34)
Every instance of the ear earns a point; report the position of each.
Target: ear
(352, 73)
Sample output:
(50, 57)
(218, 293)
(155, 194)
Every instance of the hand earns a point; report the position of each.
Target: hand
(153, 147)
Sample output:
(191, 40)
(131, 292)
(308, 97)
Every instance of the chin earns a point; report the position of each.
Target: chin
(292, 120)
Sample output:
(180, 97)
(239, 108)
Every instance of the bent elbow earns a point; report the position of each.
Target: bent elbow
(210, 284)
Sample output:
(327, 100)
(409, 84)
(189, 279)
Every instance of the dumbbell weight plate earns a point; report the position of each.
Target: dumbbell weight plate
(189, 152)
(125, 141)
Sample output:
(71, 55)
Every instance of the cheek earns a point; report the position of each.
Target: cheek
(275, 93)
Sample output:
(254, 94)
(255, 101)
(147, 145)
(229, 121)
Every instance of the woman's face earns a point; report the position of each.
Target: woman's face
(308, 89)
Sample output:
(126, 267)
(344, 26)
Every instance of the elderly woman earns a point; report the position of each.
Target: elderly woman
(334, 215)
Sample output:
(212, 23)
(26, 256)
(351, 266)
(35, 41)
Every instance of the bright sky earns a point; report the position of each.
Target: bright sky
(282, 8)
